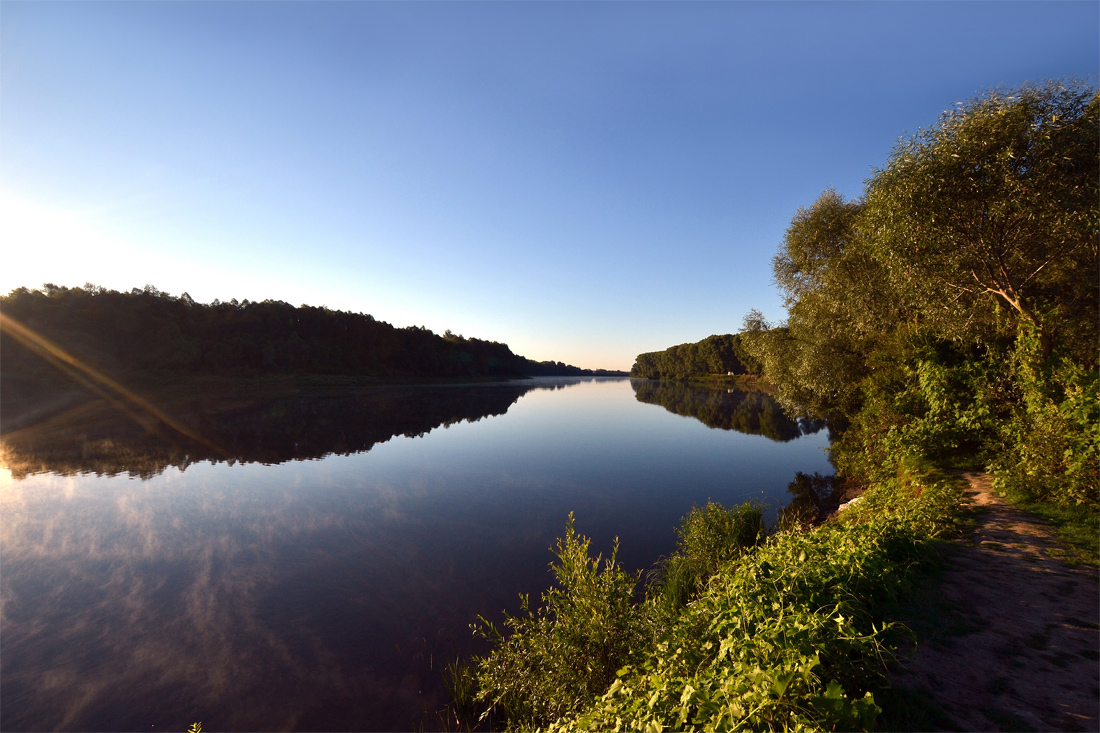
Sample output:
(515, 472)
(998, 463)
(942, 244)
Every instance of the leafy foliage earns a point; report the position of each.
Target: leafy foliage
(996, 206)
(1051, 446)
(708, 539)
(565, 652)
(789, 637)
(713, 355)
(837, 308)
(925, 400)
(785, 633)
(950, 315)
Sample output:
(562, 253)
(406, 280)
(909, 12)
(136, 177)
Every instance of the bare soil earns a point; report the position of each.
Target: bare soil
(1011, 639)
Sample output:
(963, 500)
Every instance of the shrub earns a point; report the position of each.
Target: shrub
(708, 538)
(1052, 443)
(788, 638)
(787, 633)
(561, 655)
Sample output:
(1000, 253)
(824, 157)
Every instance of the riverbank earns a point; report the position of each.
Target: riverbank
(872, 620)
(795, 632)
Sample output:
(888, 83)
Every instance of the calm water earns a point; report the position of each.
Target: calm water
(318, 559)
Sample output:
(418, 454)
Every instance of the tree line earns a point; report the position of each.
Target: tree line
(722, 354)
(150, 331)
(947, 318)
(950, 314)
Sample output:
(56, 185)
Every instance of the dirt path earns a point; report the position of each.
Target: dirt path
(1014, 639)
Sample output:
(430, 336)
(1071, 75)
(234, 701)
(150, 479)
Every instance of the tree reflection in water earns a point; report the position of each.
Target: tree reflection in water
(238, 427)
(753, 413)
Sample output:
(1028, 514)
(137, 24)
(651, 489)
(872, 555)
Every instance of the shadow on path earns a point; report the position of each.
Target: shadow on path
(1014, 642)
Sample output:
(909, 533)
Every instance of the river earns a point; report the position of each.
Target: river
(312, 561)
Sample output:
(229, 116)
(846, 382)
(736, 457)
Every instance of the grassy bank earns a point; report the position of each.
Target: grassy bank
(743, 382)
(791, 631)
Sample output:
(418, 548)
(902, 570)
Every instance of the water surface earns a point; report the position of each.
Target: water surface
(317, 558)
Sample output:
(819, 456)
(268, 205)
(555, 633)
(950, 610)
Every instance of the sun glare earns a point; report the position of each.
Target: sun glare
(45, 243)
(48, 244)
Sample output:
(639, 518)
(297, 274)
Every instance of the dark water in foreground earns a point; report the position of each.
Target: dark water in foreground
(315, 562)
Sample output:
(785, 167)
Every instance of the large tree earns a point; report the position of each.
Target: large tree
(991, 217)
(838, 306)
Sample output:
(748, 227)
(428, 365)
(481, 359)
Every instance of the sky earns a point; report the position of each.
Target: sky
(581, 181)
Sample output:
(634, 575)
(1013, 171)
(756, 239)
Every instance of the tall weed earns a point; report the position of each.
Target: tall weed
(708, 538)
(566, 651)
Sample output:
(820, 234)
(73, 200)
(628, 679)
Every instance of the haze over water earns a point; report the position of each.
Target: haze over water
(323, 575)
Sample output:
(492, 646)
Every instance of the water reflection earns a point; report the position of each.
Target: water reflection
(813, 498)
(753, 413)
(97, 437)
(325, 594)
(125, 608)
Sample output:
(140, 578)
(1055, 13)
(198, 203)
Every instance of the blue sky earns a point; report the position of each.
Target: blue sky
(583, 181)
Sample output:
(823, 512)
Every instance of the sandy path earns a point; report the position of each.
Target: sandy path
(1015, 639)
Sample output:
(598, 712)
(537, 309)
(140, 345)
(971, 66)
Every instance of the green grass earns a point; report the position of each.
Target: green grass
(461, 681)
(709, 537)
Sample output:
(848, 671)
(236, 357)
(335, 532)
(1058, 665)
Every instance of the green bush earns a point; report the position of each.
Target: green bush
(790, 637)
(708, 538)
(1051, 446)
(567, 651)
(787, 633)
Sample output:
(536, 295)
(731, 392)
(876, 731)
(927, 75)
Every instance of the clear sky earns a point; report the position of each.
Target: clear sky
(583, 181)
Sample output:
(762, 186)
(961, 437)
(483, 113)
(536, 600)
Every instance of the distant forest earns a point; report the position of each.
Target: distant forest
(147, 331)
(713, 355)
